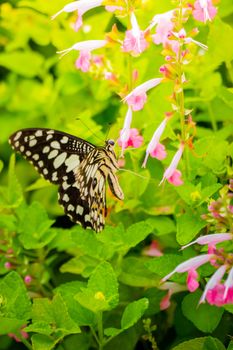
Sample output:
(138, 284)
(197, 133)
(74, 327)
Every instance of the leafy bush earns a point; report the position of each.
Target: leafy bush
(63, 287)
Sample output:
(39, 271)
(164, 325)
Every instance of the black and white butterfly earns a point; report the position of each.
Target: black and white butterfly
(77, 166)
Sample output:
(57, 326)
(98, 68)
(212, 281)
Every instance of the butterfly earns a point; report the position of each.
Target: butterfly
(80, 168)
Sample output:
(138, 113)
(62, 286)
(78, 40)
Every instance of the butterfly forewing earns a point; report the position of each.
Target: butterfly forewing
(54, 154)
(80, 169)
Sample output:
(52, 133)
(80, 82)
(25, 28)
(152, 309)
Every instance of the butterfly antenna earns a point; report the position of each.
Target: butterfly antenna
(87, 127)
(134, 173)
(108, 130)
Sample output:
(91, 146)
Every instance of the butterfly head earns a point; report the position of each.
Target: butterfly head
(110, 142)
(109, 145)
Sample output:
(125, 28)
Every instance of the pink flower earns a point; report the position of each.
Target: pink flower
(154, 148)
(164, 26)
(187, 40)
(83, 62)
(211, 239)
(137, 97)
(229, 286)
(8, 265)
(24, 335)
(137, 101)
(172, 288)
(153, 249)
(192, 282)
(27, 279)
(125, 132)
(204, 10)
(113, 8)
(134, 41)
(81, 7)
(214, 296)
(166, 302)
(84, 47)
(134, 139)
(171, 174)
(190, 264)
(213, 281)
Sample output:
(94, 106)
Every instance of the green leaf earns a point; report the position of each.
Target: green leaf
(204, 316)
(27, 63)
(34, 226)
(230, 346)
(81, 265)
(133, 312)
(8, 222)
(15, 306)
(88, 243)
(101, 293)
(12, 196)
(189, 225)
(164, 264)
(135, 273)
(1, 165)
(131, 315)
(43, 342)
(162, 225)
(217, 54)
(52, 317)
(81, 315)
(200, 344)
(136, 233)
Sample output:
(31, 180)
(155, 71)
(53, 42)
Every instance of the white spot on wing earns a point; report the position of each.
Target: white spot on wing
(53, 154)
(70, 207)
(45, 171)
(46, 149)
(38, 133)
(21, 148)
(55, 144)
(36, 156)
(59, 160)
(65, 185)
(66, 197)
(54, 176)
(41, 163)
(17, 136)
(64, 139)
(49, 137)
(72, 162)
(79, 210)
(32, 142)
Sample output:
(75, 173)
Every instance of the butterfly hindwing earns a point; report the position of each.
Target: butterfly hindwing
(84, 201)
(54, 154)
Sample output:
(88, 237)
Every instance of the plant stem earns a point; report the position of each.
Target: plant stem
(100, 330)
(24, 341)
(212, 117)
(180, 92)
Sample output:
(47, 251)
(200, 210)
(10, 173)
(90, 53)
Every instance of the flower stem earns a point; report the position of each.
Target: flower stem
(24, 341)
(100, 330)
(180, 92)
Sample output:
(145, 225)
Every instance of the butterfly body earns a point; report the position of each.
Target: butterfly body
(77, 166)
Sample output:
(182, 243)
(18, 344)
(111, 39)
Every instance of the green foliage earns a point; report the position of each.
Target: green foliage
(204, 316)
(15, 305)
(71, 288)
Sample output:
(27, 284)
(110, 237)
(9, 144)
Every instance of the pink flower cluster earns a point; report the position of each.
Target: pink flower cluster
(221, 210)
(134, 43)
(215, 292)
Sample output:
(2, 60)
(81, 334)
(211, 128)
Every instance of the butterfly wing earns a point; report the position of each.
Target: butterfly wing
(53, 153)
(84, 200)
